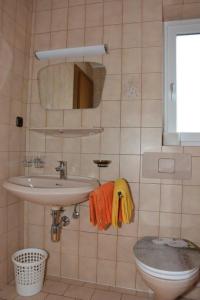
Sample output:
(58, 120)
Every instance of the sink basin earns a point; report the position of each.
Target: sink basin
(49, 190)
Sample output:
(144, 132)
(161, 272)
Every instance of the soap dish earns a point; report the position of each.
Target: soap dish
(102, 163)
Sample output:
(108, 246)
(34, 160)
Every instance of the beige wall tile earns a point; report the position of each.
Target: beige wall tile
(110, 142)
(42, 21)
(58, 39)
(131, 11)
(125, 274)
(72, 247)
(76, 2)
(112, 87)
(129, 167)
(113, 36)
(152, 113)
(59, 19)
(75, 38)
(76, 17)
(87, 269)
(94, 15)
(112, 62)
(90, 144)
(35, 214)
(35, 236)
(151, 139)
(191, 204)
(152, 60)
(112, 12)
(131, 60)
(93, 35)
(106, 272)
(152, 10)
(148, 223)
(131, 35)
(150, 197)
(191, 10)
(112, 171)
(72, 119)
(59, 3)
(91, 117)
(131, 87)
(170, 225)
(152, 34)
(130, 141)
(190, 227)
(171, 198)
(88, 168)
(195, 179)
(172, 12)
(3, 220)
(43, 5)
(88, 244)
(54, 264)
(130, 113)
(125, 249)
(110, 114)
(69, 266)
(152, 86)
(107, 247)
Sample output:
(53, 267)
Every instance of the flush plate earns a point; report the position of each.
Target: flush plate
(166, 165)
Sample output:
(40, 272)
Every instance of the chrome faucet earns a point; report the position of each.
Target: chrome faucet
(62, 168)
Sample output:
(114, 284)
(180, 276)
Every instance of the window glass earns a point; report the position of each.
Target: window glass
(188, 83)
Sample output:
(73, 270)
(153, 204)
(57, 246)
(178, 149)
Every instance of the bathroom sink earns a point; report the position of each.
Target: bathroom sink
(49, 190)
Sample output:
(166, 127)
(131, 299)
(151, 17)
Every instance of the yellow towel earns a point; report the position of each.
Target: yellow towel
(122, 210)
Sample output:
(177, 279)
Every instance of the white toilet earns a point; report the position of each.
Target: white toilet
(169, 267)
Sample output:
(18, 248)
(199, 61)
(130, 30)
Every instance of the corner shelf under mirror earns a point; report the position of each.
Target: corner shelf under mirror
(68, 132)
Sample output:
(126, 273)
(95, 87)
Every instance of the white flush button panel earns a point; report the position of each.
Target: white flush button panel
(166, 165)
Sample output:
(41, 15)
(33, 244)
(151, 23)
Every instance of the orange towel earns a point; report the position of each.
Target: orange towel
(100, 204)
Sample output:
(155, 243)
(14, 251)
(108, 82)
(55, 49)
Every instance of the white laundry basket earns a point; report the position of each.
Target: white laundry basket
(29, 267)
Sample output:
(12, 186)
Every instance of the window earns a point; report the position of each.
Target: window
(182, 82)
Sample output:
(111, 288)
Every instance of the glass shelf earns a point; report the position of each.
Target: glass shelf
(68, 133)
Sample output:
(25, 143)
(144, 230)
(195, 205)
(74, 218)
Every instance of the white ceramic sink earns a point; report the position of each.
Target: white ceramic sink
(49, 190)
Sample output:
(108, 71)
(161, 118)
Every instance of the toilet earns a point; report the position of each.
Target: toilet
(170, 267)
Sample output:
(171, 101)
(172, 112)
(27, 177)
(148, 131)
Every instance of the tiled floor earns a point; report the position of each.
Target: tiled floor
(71, 289)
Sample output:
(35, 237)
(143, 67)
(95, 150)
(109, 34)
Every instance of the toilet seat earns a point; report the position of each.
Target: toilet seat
(167, 274)
(161, 259)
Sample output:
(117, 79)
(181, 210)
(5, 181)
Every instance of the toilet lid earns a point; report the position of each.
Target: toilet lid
(167, 254)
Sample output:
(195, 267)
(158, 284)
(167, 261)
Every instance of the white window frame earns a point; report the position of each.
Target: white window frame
(171, 30)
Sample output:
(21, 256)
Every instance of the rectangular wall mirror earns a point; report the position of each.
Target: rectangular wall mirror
(71, 85)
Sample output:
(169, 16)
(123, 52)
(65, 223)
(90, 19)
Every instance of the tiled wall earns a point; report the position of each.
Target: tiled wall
(131, 114)
(15, 28)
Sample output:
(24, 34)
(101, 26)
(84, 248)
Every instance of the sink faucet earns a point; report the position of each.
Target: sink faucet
(62, 168)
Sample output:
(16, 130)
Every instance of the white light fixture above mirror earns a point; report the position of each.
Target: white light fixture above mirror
(72, 52)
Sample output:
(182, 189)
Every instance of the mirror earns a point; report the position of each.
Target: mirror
(71, 85)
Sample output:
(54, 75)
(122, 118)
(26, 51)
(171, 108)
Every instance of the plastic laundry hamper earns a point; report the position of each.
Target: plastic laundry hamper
(29, 267)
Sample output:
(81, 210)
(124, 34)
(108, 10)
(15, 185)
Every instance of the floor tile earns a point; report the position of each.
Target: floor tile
(56, 297)
(40, 296)
(55, 287)
(106, 295)
(97, 286)
(8, 293)
(79, 292)
(72, 281)
(134, 297)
